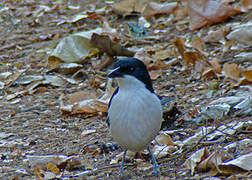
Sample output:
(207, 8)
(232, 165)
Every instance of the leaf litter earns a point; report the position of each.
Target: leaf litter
(54, 92)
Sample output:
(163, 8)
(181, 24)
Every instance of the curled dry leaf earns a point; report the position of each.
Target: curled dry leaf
(105, 44)
(164, 139)
(155, 74)
(212, 161)
(197, 157)
(238, 165)
(247, 74)
(232, 71)
(207, 12)
(215, 66)
(86, 102)
(73, 48)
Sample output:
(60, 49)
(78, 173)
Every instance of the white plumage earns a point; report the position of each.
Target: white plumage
(135, 114)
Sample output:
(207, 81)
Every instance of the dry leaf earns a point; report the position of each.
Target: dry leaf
(191, 56)
(105, 44)
(179, 43)
(198, 43)
(155, 74)
(247, 74)
(216, 66)
(238, 165)
(52, 167)
(246, 5)
(129, 6)
(13, 77)
(157, 65)
(73, 48)
(87, 132)
(232, 71)
(153, 8)
(208, 72)
(164, 139)
(207, 12)
(197, 157)
(241, 33)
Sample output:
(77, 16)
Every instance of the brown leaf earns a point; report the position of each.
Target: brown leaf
(246, 4)
(207, 12)
(216, 66)
(191, 56)
(232, 71)
(156, 65)
(179, 43)
(198, 43)
(208, 73)
(52, 167)
(197, 157)
(238, 165)
(129, 6)
(153, 8)
(105, 44)
(247, 74)
(164, 139)
(155, 74)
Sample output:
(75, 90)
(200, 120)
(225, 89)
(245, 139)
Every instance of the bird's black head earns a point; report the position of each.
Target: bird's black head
(133, 67)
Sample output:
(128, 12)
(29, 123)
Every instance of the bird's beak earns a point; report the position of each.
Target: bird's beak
(115, 73)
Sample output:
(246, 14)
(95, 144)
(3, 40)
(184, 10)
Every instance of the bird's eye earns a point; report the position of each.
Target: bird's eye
(132, 69)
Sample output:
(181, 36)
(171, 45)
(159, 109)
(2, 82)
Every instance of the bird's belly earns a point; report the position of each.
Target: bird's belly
(136, 120)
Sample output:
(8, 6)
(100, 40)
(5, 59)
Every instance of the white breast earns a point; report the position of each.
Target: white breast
(135, 115)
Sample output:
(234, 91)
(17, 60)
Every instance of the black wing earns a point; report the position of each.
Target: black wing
(115, 92)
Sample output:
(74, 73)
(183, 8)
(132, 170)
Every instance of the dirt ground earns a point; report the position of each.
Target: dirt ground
(33, 124)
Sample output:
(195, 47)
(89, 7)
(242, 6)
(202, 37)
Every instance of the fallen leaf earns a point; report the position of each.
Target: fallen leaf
(155, 74)
(52, 167)
(118, 157)
(129, 6)
(13, 77)
(179, 43)
(216, 66)
(191, 56)
(73, 48)
(153, 8)
(241, 33)
(211, 163)
(86, 102)
(246, 5)
(209, 72)
(232, 71)
(207, 12)
(164, 139)
(87, 132)
(238, 165)
(198, 43)
(197, 157)
(163, 54)
(105, 44)
(247, 74)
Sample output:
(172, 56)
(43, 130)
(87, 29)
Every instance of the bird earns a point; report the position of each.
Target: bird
(134, 112)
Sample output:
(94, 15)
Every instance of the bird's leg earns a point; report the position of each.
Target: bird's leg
(156, 168)
(122, 164)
